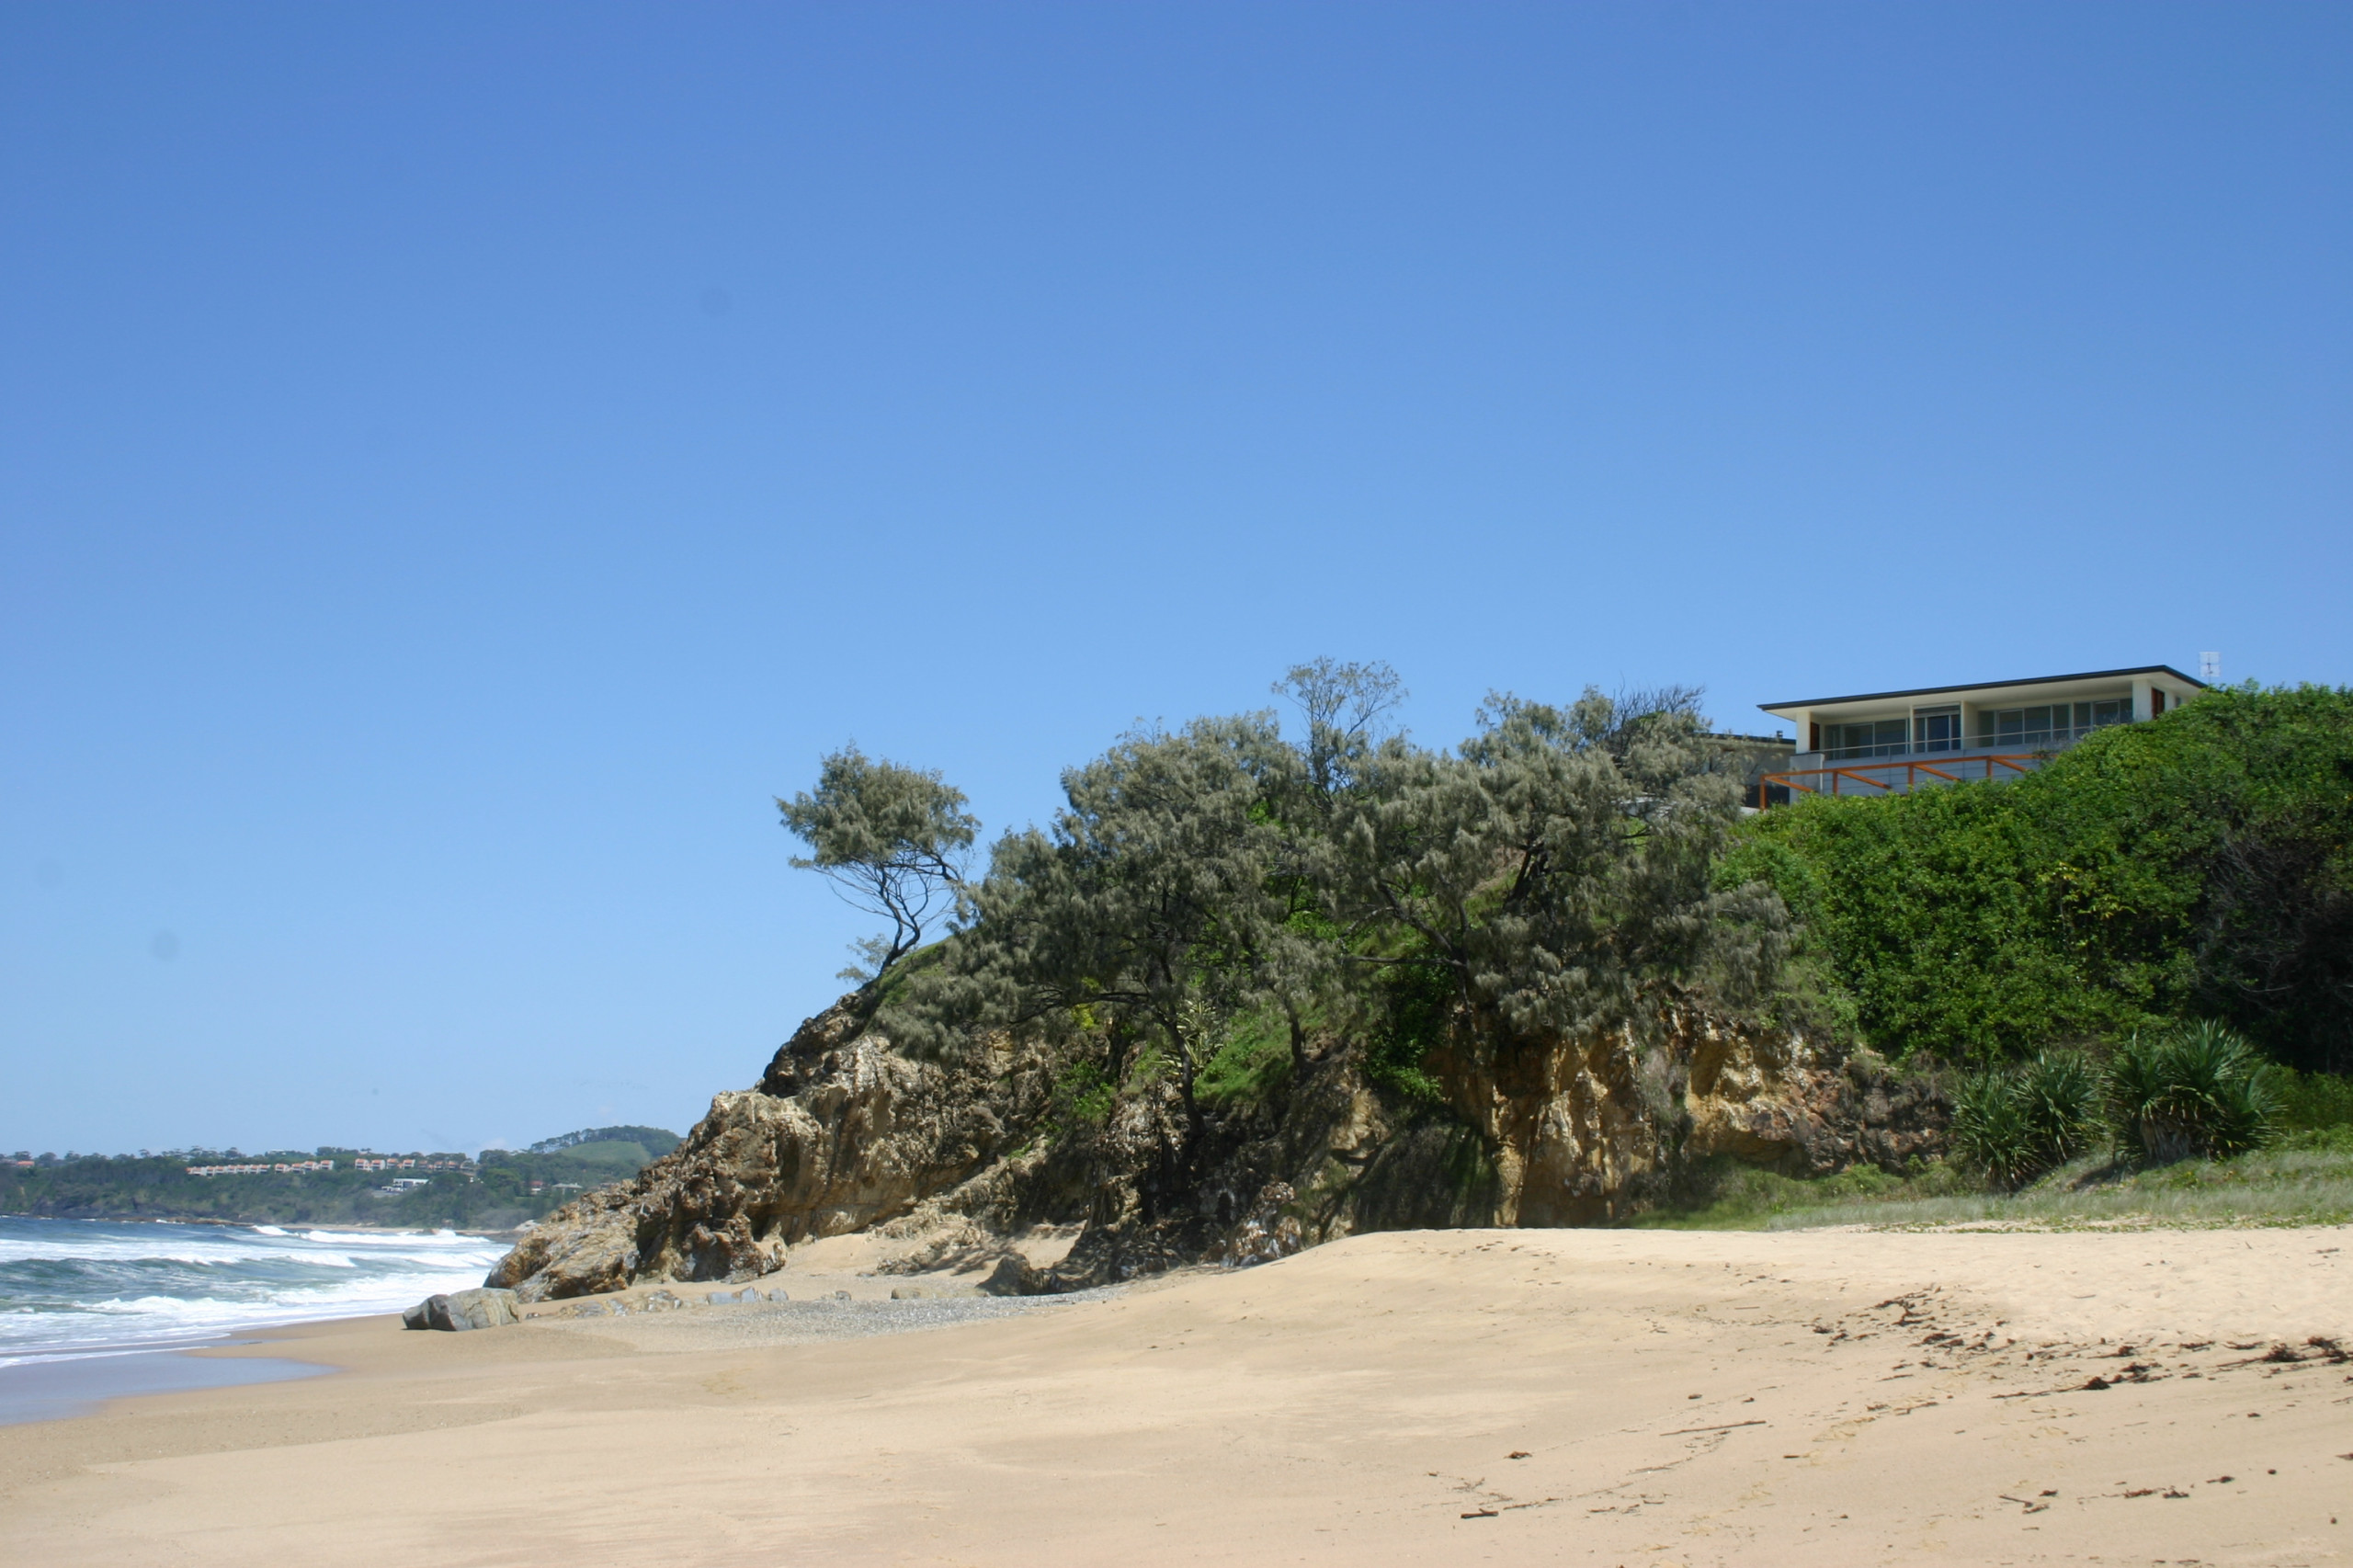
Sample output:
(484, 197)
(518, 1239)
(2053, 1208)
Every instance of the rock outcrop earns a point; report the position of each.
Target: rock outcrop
(1582, 1129)
(842, 1133)
(845, 1133)
(462, 1310)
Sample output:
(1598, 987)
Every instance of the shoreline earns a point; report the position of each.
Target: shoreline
(109, 1309)
(109, 1371)
(71, 1385)
(364, 1226)
(1537, 1395)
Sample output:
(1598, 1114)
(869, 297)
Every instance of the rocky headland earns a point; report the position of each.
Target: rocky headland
(952, 1161)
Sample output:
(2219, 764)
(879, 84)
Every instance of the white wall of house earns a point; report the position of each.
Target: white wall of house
(2141, 687)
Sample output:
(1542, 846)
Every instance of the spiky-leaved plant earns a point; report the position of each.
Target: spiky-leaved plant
(1993, 1131)
(2015, 1123)
(2199, 1090)
(2059, 1093)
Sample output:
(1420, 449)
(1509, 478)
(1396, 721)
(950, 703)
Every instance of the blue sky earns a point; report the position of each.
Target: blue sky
(458, 463)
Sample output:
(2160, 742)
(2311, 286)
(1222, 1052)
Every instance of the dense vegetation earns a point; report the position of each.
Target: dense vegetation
(2163, 1094)
(2178, 1126)
(2197, 866)
(1208, 897)
(2304, 1179)
(495, 1191)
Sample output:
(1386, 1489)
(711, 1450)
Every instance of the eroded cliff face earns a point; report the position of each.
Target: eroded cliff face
(1568, 1133)
(1582, 1130)
(843, 1134)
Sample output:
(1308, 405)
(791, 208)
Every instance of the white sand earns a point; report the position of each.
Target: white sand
(1694, 1398)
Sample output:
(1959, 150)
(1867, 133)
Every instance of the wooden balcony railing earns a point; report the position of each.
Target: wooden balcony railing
(1946, 770)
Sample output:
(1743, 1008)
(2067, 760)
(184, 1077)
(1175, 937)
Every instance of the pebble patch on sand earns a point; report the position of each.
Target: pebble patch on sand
(792, 1323)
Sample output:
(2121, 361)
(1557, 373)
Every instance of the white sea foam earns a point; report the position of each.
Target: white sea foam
(83, 1288)
(391, 1238)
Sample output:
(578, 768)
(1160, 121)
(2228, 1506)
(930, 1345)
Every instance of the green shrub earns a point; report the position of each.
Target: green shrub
(1722, 1192)
(1084, 1095)
(1415, 1002)
(2200, 864)
(2015, 1123)
(1992, 1133)
(2314, 1102)
(1249, 1066)
(2199, 1090)
(2315, 1141)
(2059, 1093)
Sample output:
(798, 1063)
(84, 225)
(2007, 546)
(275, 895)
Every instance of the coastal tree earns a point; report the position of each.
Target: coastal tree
(1551, 875)
(1346, 706)
(893, 841)
(1556, 868)
(1151, 903)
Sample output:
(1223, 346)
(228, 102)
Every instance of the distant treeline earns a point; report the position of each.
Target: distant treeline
(498, 1191)
(655, 1140)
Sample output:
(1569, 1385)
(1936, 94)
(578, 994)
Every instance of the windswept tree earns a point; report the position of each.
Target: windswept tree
(1550, 876)
(1619, 723)
(1151, 903)
(893, 841)
(1558, 867)
(1347, 706)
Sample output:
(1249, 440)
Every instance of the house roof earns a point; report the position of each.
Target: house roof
(1984, 686)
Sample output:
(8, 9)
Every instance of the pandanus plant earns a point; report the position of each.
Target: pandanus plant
(2016, 1125)
(2196, 1091)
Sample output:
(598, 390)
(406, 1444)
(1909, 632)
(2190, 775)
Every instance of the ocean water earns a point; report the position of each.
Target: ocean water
(75, 1289)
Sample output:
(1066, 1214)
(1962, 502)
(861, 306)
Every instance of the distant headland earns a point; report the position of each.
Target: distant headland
(492, 1188)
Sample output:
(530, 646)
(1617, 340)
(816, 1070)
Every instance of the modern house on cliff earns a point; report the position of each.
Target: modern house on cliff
(1889, 742)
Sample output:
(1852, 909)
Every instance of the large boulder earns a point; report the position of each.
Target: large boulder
(462, 1310)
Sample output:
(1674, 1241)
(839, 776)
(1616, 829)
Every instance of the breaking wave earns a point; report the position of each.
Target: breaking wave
(74, 1288)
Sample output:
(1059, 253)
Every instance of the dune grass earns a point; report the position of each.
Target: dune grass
(2305, 1178)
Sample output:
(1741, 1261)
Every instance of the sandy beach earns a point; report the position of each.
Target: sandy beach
(1522, 1396)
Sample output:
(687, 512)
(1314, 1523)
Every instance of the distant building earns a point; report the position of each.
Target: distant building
(261, 1169)
(1890, 742)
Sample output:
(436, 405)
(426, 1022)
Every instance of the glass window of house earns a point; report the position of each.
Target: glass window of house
(1877, 737)
(2024, 727)
(1936, 728)
(2054, 726)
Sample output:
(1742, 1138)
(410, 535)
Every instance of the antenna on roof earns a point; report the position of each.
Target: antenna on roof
(2209, 668)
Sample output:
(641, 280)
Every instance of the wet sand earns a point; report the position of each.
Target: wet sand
(1563, 1396)
(46, 1390)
